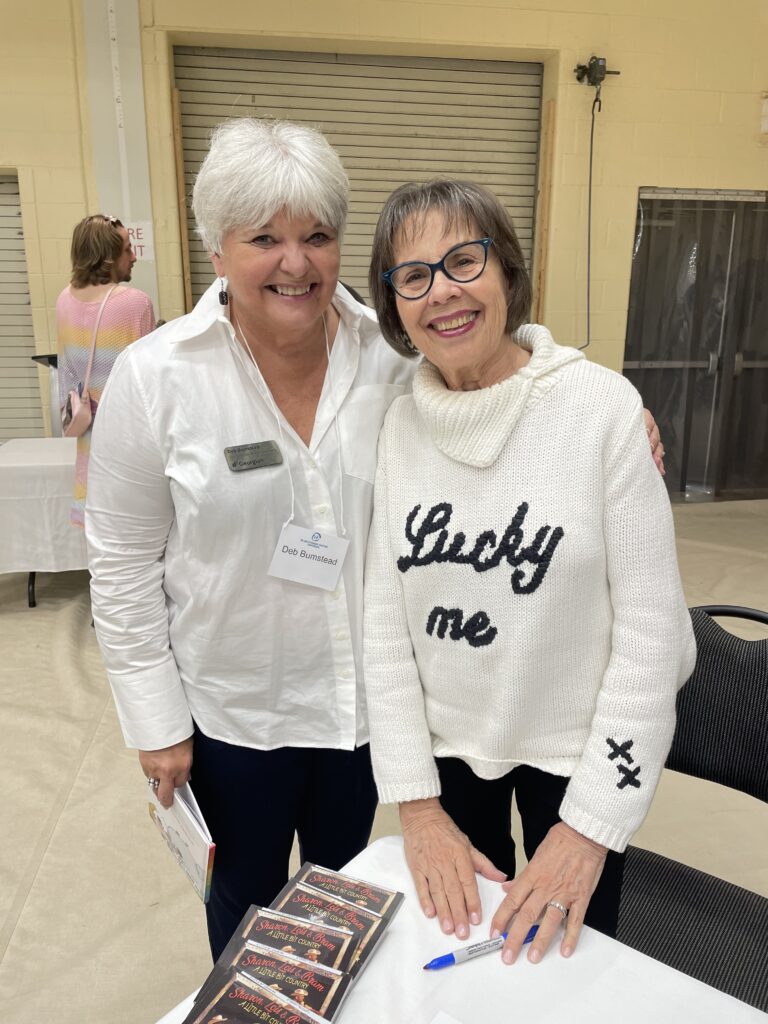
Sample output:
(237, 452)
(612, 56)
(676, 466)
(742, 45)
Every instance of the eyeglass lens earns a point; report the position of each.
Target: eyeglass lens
(463, 263)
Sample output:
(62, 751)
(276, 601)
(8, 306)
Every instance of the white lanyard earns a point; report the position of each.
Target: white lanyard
(239, 331)
(302, 555)
(338, 432)
(276, 414)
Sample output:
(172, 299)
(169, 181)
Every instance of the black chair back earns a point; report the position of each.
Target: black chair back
(704, 926)
(701, 925)
(722, 711)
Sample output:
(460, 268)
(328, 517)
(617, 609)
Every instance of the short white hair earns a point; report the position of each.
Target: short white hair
(254, 169)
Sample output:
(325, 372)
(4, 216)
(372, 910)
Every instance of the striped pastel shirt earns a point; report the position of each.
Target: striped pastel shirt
(127, 316)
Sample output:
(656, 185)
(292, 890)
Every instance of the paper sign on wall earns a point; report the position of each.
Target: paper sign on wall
(142, 238)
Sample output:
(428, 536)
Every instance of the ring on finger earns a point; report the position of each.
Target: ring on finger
(153, 783)
(559, 906)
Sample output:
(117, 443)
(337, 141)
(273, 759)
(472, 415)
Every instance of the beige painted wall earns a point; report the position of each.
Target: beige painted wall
(42, 139)
(685, 112)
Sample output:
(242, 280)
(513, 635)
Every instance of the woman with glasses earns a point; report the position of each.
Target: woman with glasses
(231, 495)
(525, 627)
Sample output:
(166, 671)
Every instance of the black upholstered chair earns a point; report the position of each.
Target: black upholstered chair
(699, 924)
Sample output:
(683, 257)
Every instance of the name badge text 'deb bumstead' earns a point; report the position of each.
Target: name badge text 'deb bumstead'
(308, 556)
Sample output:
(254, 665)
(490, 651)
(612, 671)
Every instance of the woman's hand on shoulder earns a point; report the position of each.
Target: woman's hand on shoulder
(654, 439)
(443, 863)
(171, 765)
(564, 870)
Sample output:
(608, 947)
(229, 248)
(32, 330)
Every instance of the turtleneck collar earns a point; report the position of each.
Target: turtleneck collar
(473, 426)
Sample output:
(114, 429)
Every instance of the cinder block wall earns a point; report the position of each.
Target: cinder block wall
(685, 112)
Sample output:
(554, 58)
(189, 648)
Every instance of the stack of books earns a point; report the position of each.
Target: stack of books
(296, 960)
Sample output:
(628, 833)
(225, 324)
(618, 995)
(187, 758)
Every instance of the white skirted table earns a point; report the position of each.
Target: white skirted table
(604, 982)
(37, 476)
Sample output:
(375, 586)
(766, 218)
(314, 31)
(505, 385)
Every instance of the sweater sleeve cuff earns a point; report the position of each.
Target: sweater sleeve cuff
(151, 706)
(399, 793)
(612, 836)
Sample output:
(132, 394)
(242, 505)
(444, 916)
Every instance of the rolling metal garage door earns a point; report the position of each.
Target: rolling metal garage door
(20, 411)
(392, 120)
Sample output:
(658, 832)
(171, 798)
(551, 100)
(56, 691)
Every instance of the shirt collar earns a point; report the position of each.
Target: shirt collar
(359, 319)
(207, 311)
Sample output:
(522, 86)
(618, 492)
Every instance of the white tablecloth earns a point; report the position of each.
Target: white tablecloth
(36, 483)
(603, 983)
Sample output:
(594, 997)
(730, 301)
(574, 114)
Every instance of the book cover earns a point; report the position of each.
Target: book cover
(385, 902)
(243, 999)
(323, 944)
(319, 989)
(187, 837)
(310, 904)
(319, 945)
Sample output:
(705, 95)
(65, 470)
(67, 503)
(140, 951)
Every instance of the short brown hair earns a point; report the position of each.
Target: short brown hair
(96, 244)
(460, 202)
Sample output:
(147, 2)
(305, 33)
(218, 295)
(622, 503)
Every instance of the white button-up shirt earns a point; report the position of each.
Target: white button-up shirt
(190, 624)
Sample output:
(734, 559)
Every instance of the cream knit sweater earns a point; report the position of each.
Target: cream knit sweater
(523, 602)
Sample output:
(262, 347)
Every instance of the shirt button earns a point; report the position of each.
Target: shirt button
(346, 674)
(321, 510)
(341, 636)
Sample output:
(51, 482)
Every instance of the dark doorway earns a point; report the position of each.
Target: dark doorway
(697, 337)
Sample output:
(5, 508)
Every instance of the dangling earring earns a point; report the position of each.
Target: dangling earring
(223, 296)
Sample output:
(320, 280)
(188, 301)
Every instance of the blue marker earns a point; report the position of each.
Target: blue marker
(460, 956)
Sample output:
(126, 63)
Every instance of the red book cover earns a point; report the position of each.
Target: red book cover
(242, 999)
(303, 901)
(317, 988)
(320, 945)
(385, 902)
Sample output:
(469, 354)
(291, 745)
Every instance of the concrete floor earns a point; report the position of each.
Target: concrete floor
(98, 924)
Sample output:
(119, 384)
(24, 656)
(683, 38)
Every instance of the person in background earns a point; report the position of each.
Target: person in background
(102, 261)
(525, 626)
(224, 440)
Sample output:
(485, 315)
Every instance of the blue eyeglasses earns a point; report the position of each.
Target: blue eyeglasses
(463, 262)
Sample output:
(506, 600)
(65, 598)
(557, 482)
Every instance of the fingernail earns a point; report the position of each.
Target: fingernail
(534, 956)
(462, 931)
(429, 911)
(495, 933)
(447, 925)
(474, 917)
(508, 956)
(567, 950)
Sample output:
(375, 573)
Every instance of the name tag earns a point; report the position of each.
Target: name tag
(253, 456)
(308, 556)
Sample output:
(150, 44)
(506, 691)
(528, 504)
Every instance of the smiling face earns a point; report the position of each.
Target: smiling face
(282, 275)
(459, 327)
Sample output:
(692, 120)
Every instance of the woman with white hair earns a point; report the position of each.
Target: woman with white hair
(228, 512)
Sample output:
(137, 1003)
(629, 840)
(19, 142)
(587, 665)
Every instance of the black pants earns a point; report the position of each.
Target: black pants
(255, 801)
(482, 809)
